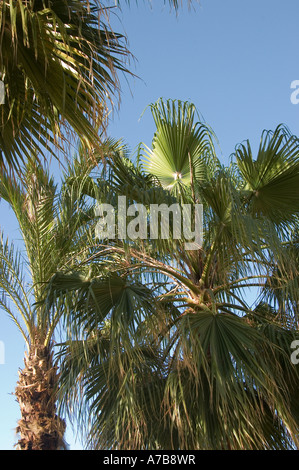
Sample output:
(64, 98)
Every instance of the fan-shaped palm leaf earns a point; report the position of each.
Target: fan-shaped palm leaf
(271, 181)
(219, 370)
(181, 146)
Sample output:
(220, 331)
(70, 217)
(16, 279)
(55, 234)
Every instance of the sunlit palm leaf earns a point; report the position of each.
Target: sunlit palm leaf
(181, 146)
(271, 181)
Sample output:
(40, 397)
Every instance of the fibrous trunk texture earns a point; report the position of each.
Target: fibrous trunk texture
(39, 427)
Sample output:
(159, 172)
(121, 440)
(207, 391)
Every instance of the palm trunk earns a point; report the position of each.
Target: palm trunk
(39, 427)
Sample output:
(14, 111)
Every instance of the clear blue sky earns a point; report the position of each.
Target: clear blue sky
(234, 59)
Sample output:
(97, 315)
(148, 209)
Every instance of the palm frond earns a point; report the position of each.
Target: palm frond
(181, 147)
(15, 298)
(271, 180)
(59, 66)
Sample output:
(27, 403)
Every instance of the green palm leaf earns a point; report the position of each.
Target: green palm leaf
(58, 64)
(181, 146)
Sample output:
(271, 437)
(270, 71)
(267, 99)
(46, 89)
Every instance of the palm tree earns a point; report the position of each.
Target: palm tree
(169, 350)
(54, 226)
(59, 64)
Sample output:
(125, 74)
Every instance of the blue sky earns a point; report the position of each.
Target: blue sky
(234, 59)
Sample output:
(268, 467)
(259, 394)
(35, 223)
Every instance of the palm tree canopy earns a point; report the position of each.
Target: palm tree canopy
(58, 63)
(49, 222)
(167, 348)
